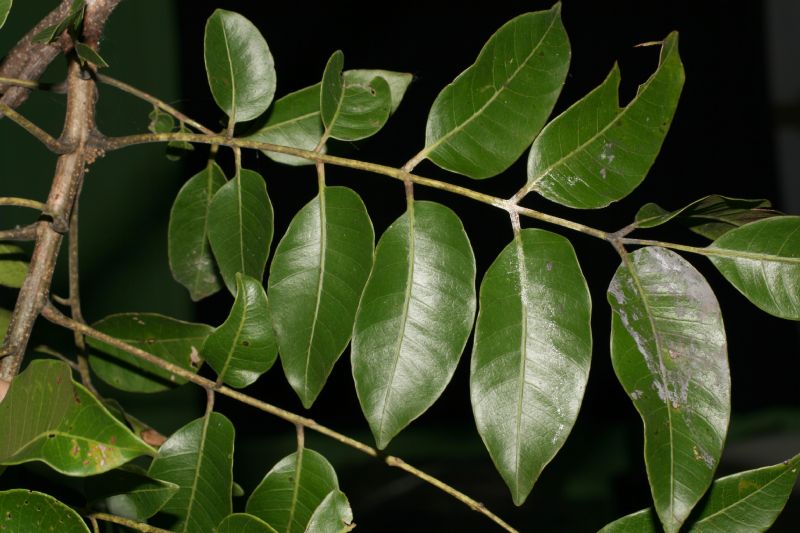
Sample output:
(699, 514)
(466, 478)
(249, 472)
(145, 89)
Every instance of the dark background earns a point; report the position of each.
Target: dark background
(723, 140)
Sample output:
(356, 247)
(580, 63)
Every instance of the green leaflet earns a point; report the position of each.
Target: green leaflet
(669, 352)
(243, 523)
(128, 491)
(530, 362)
(240, 227)
(65, 426)
(644, 521)
(762, 260)
(290, 493)
(352, 110)
(414, 317)
(172, 340)
(595, 152)
(483, 121)
(333, 515)
(239, 65)
(199, 459)
(86, 54)
(13, 266)
(26, 510)
(243, 347)
(5, 7)
(315, 281)
(190, 258)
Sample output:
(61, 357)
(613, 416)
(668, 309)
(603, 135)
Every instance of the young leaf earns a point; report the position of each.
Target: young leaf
(240, 226)
(160, 122)
(199, 459)
(243, 347)
(5, 7)
(316, 278)
(172, 340)
(239, 65)
(414, 317)
(595, 152)
(13, 267)
(128, 491)
(530, 363)
(64, 425)
(71, 21)
(190, 258)
(483, 121)
(26, 510)
(711, 217)
(333, 515)
(88, 55)
(669, 352)
(177, 149)
(351, 110)
(644, 521)
(288, 495)
(243, 523)
(762, 260)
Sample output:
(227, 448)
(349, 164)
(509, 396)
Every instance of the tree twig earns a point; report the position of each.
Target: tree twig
(133, 524)
(53, 144)
(22, 202)
(24, 233)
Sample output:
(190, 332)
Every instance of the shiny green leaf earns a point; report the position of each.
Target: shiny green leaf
(88, 55)
(129, 492)
(190, 258)
(239, 65)
(288, 495)
(483, 121)
(244, 523)
(762, 260)
(315, 281)
(398, 82)
(243, 347)
(530, 363)
(26, 511)
(172, 340)
(5, 7)
(644, 521)
(333, 515)
(240, 227)
(199, 459)
(64, 425)
(669, 352)
(351, 109)
(414, 317)
(13, 266)
(595, 152)
(711, 217)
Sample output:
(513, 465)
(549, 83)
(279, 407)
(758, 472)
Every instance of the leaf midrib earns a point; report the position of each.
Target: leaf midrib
(230, 69)
(323, 246)
(198, 466)
(523, 279)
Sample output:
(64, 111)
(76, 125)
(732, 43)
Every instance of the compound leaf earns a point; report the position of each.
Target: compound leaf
(530, 362)
(25, 510)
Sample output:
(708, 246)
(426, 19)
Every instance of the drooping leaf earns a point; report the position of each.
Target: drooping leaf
(414, 317)
(669, 352)
(595, 152)
(190, 258)
(243, 523)
(25, 510)
(762, 260)
(5, 7)
(644, 521)
(64, 425)
(13, 266)
(316, 278)
(333, 515)
(240, 227)
(352, 110)
(530, 363)
(290, 493)
(711, 217)
(86, 54)
(172, 340)
(483, 121)
(129, 492)
(199, 459)
(243, 347)
(239, 65)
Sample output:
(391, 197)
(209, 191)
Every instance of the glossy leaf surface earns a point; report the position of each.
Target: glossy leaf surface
(351, 109)
(190, 258)
(129, 492)
(240, 227)
(243, 347)
(333, 515)
(172, 340)
(243, 523)
(64, 425)
(316, 278)
(414, 317)
(13, 266)
(199, 459)
(239, 65)
(669, 352)
(288, 495)
(595, 152)
(530, 362)
(644, 521)
(25, 511)
(483, 121)
(762, 260)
